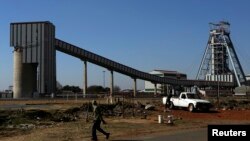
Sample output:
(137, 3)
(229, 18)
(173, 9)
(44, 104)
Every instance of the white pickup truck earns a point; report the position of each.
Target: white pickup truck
(188, 100)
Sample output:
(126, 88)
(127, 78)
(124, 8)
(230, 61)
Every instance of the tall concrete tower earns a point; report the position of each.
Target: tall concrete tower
(220, 61)
(34, 58)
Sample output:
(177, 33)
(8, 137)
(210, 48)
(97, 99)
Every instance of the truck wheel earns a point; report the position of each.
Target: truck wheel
(171, 106)
(190, 107)
(206, 109)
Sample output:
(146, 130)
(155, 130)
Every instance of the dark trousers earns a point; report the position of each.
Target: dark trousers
(96, 126)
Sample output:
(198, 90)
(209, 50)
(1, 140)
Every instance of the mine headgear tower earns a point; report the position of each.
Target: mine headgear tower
(220, 61)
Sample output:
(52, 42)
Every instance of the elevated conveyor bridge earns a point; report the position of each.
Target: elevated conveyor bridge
(115, 66)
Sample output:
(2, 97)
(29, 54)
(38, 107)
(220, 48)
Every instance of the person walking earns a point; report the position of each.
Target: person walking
(97, 122)
(168, 102)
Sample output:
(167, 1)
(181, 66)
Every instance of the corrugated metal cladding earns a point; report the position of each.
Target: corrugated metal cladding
(29, 36)
(37, 42)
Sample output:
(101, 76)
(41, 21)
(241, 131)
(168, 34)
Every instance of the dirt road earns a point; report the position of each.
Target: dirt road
(187, 135)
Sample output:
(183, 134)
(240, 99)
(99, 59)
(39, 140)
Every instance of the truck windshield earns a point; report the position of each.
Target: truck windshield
(193, 96)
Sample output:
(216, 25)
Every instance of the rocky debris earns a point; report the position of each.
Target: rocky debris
(118, 110)
(26, 126)
(3, 119)
(130, 109)
(86, 107)
(36, 114)
(144, 115)
(29, 119)
(140, 105)
(121, 108)
(72, 111)
(231, 104)
(149, 107)
(64, 117)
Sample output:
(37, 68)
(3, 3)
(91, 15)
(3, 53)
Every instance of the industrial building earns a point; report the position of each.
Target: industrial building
(163, 88)
(34, 58)
(248, 77)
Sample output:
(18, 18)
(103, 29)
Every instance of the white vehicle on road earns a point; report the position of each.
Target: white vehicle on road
(188, 100)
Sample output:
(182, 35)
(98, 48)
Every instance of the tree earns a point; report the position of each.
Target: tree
(95, 89)
(117, 88)
(75, 89)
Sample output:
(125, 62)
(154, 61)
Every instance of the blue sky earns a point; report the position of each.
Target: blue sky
(143, 34)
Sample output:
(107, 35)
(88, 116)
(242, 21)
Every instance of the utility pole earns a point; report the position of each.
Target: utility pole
(103, 79)
(218, 94)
